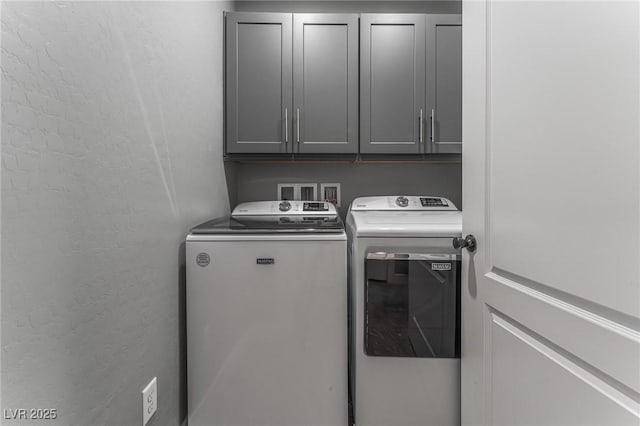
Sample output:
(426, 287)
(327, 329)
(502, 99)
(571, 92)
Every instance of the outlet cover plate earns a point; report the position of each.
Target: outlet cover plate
(286, 191)
(330, 192)
(304, 189)
(149, 400)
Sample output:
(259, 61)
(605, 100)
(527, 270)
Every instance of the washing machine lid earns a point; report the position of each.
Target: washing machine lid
(403, 203)
(274, 217)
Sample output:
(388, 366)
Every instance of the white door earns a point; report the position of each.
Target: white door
(551, 191)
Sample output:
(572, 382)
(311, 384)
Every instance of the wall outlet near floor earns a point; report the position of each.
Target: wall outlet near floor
(330, 192)
(149, 400)
(308, 191)
(286, 191)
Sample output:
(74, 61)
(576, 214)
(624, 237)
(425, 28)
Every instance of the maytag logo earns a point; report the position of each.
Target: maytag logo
(203, 259)
(440, 266)
(265, 261)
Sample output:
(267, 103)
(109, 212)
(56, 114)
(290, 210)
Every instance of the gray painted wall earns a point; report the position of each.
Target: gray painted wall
(258, 181)
(338, 6)
(111, 150)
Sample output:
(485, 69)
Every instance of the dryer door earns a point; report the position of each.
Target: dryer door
(412, 305)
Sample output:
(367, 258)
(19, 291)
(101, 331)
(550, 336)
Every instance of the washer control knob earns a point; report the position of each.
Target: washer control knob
(284, 206)
(402, 201)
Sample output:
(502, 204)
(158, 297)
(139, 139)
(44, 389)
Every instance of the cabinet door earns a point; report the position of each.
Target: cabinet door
(259, 85)
(392, 83)
(325, 83)
(444, 83)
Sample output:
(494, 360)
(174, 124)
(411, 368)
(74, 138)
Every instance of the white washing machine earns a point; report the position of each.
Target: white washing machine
(405, 311)
(266, 317)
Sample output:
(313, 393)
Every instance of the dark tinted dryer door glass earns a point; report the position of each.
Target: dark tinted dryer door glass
(412, 305)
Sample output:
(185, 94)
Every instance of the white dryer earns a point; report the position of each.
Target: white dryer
(405, 311)
(266, 317)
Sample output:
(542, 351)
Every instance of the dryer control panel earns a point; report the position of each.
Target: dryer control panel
(403, 202)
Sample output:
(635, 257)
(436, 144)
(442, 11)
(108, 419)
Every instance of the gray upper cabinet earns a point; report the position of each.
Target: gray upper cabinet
(325, 83)
(259, 83)
(444, 83)
(292, 83)
(392, 84)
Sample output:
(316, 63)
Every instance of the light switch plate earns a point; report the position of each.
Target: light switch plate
(149, 400)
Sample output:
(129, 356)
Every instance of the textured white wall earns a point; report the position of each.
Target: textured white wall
(111, 150)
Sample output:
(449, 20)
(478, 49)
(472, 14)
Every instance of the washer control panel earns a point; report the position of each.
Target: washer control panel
(288, 208)
(403, 202)
(312, 206)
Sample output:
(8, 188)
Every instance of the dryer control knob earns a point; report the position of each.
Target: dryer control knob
(284, 206)
(402, 201)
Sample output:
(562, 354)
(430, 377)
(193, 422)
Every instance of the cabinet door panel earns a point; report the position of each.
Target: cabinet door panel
(325, 83)
(444, 82)
(258, 82)
(392, 83)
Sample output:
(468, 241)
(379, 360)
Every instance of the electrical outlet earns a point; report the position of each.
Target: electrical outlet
(286, 191)
(330, 192)
(308, 191)
(149, 400)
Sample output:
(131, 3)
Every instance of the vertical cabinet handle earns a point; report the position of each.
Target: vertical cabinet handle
(421, 130)
(298, 124)
(433, 125)
(286, 126)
